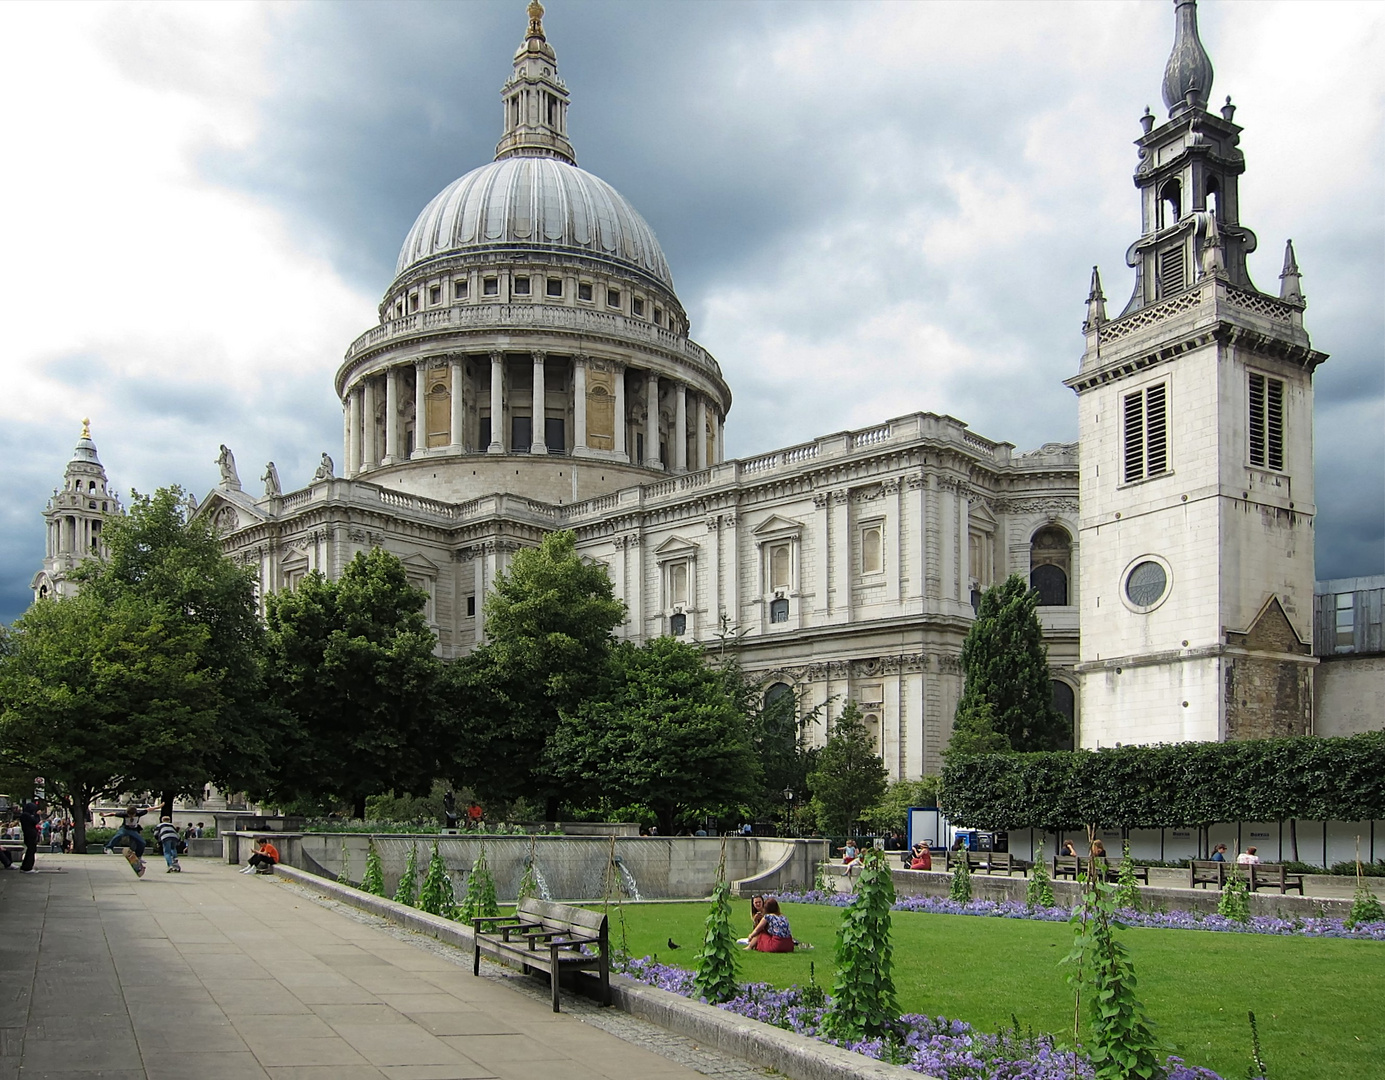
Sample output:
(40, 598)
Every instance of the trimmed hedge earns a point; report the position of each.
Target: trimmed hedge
(1178, 785)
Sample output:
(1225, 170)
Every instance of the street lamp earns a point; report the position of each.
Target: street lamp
(788, 798)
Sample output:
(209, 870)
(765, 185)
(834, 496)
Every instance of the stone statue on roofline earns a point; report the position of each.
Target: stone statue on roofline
(325, 469)
(226, 461)
(271, 481)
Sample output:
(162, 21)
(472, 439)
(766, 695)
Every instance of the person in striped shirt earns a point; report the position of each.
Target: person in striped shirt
(167, 836)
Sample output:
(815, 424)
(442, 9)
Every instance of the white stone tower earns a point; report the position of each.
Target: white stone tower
(1196, 413)
(74, 516)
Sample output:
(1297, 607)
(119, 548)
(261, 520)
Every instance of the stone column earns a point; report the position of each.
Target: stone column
(537, 445)
(370, 440)
(721, 438)
(893, 536)
(346, 434)
(420, 408)
(651, 422)
(714, 571)
(621, 421)
(841, 562)
(700, 439)
(731, 574)
(355, 433)
(497, 445)
(391, 417)
(456, 443)
(680, 427)
(821, 577)
(579, 405)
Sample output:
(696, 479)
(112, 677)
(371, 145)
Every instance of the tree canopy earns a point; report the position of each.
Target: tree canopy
(102, 695)
(665, 734)
(1007, 700)
(351, 667)
(848, 776)
(549, 631)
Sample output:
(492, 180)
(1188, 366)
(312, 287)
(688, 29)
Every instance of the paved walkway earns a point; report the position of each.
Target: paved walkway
(215, 975)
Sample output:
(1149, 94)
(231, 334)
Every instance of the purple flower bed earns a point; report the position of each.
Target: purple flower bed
(946, 1049)
(1325, 926)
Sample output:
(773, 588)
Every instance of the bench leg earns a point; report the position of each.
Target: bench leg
(553, 982)
(605, 970)
(476, 960)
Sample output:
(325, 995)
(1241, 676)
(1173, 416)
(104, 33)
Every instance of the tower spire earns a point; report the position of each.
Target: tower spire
(535, 100)
(1096, 304)
(1290, 280)
(1188, 74)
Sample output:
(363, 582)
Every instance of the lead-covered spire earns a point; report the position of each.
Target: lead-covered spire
(1188, 74)
(535, 100)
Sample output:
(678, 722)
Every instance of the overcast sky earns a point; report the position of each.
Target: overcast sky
(869, 209)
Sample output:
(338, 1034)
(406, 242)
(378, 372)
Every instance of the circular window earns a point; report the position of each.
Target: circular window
(1146, 584)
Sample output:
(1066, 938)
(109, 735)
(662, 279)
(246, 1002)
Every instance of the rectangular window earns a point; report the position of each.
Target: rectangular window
(555, 286)
(521, 434)
(1266, 421)
(435, 294)
(483, 432)
(659, 316)
(491, 286)
(677, 583)
(521, 286)
(555, 434)
(613, 298)
(1171, 277)
(459, 289)
(779, 567)
(872, 557)
(413, 301)
(584, 291)
(637, 306)
(1346, 622)
(471, 607)
(1146, 433)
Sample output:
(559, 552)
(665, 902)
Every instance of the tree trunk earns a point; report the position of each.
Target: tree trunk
(166, 808)
(80, 801)
(550, 809)
(358, 807)
(665, 820)
(1293, 839)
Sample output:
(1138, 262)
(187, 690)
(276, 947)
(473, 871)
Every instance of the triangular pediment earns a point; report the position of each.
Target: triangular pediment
(1269, 631)
(982, 518)
(229, 511)
(294, 559)
(675, 547)
(775, 525)
(417, 563)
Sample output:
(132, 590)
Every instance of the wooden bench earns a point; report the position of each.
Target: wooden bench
(1000, 862)
(1206, 872)
(1067, 866)
(1274, 876)
(1141, 873)
(545, 936)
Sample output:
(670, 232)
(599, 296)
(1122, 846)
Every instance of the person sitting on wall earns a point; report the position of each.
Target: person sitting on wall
(1248, 858)
(849, 853)
(921, 857)
(1219, 853)
(266, 855)
(771, 933)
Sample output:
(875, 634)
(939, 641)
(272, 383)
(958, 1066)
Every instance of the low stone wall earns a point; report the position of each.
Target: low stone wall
(783, 1052)
(1157, 896)
(568, 867)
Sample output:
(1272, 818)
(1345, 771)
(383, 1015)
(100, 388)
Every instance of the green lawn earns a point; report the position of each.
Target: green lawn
(1320, 1003)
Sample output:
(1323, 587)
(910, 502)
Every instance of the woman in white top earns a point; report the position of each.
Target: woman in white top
(1247, 857)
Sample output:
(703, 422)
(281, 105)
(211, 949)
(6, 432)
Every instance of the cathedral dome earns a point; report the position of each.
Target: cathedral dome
(537, 204)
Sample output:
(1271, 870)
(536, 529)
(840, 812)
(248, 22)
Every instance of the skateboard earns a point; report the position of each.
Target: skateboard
(136, 863)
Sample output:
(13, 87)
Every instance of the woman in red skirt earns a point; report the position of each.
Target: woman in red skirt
(771, 933)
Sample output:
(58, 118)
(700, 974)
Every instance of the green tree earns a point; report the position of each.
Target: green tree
(848, 775)
(1005, 663)
(102, 696)
(665, 734)
(351, 665)
(158, 554)
(892, 811)
(549, 632)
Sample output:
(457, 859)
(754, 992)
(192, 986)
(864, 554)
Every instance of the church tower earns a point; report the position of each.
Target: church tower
(74, 516)
(1196, 418)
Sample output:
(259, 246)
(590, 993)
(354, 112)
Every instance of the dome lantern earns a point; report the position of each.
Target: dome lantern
(535, 100)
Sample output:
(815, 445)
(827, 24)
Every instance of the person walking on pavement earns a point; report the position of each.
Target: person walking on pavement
(28, 823)
(167, 836)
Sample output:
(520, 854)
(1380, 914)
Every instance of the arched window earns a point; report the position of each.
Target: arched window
(776, 693)
(1214, 198)
(779, 611)
(1051, 584)
(1050, 562)
(872, 560)
(1170, 204)
(1066, 704)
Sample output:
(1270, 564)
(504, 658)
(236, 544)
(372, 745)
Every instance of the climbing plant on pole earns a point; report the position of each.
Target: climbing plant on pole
(715, 965)
(374, 880)
(408, 881)
(478, 901)
(437, 897)
(863, 994)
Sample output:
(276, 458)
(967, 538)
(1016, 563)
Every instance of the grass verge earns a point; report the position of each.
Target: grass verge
(1318, 1001)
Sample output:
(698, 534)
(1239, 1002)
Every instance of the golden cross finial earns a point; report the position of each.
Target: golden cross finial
(535, 19)
(86, 428)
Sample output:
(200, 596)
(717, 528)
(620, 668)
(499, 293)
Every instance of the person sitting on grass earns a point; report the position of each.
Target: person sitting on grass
(771, 933)
(264, 858)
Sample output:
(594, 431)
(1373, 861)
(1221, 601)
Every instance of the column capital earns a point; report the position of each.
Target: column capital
(539, 355)
(496, 356)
